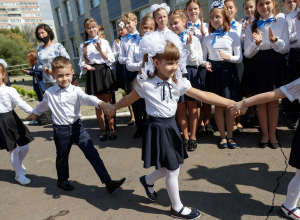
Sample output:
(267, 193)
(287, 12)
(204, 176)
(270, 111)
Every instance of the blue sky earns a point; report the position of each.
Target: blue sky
(45, 8)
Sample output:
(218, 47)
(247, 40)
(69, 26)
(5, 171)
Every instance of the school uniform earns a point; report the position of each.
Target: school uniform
(162, 144)
(224, 80)
(134, 63)
(125, 45)
(101, 80)
(13, 132)
(68, 129)
(293, 72)
(292, 92)
(119, 69)
(194, 60)
(35, 84)
(267, 61)
(164, 31)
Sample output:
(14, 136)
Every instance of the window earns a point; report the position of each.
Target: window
(79, 7)
(3, 15)
(2, 9)
(68, 11)
(58, 14)
(94, 3)
(3, 21)
(140, 14)
(30, 15)
(180, 4)
(14, 15)
(65, 45)
(74, 47)
(15, 21)
(13, 9)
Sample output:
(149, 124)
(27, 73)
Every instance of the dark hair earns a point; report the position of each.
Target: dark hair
(46, 28)
(226, 22)
(195, 2)
(257, 15)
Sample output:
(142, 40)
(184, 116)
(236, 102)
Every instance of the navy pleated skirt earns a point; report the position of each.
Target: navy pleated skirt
(224, 80)
(295, 151)
(266, 72)
(13, 132)
(120, 75)
(193, 76)
(162, 144)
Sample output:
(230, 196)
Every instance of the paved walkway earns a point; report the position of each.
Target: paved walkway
(222, 184)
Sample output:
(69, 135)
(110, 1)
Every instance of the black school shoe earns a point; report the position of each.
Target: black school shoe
(151, 196)
(103, 137)
(112, 185)
(192, 145)
(201, 131)
(65, 185)
(193, 215)
(209, 130)
(185, 143)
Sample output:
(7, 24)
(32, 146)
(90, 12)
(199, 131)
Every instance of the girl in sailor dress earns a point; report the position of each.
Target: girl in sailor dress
(237, 28)
(14, 135)
(160, 16)
(161, 84)
(177, 20)
(266, 44)
(200, 30)
(95, 60)
(223, 49)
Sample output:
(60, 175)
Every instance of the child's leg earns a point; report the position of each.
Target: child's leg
(263, 121)
(130, 110)
(293, 193)
(15, 161)
(220, 122)
(207, 113)
(200, 114)
(192, 108)
(110, 120)
(229, 123)
(155, 175)
(23, 152)
(273, 115)
(182, 119)
(100, 116)
(173, 191)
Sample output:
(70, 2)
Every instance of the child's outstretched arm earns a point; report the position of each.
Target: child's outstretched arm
(239, 108)
(209, 98)
(127, 100)
(42, 107)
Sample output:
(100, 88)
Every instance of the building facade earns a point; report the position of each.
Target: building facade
(19, 13)
(69, 16)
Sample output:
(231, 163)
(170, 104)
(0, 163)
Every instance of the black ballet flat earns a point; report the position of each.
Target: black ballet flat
(231, 146)
(263, 145)
(185, 143)
(193, 215)
(151, 196)
(275, 145)
(192, 145)
(103, 137)
(112, 185)
(112, 136)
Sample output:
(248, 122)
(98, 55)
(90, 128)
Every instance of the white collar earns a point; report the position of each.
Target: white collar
(157, 79)
(272, 16)
(166, 29)
(67, 89)
(3, 86)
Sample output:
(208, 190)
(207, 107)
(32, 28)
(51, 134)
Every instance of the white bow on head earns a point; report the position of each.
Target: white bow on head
(157, 6)
(218, 4)
(121, 24)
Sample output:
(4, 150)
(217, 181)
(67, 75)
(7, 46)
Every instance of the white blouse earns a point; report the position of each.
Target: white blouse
(292, 90)
(298, 30)
(238, 29)
(9, 98)
(164, 31)
(291, 19)
(152, 92)
(94, 55)
(243, 33)
(125, 44)
(280, 29)
(116, 48)
(134, 58)
(229, 44)
(197, 29)
(65, 104)
(195, 57)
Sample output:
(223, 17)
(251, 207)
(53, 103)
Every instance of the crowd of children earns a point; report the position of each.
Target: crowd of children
(172, 70)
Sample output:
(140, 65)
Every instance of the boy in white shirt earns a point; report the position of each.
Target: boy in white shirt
(65, 100)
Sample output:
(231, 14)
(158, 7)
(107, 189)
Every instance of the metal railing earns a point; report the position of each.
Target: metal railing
(8, 67)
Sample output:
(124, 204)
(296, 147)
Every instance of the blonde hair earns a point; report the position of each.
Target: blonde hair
(60, 62)
(100, 31)
(257, 15)
(87, 22)
(4, 74)
(226, 22)
(195, 2)
(31, 55)
(147, 18)
(178, 13)
(154, 14)
(129, 17)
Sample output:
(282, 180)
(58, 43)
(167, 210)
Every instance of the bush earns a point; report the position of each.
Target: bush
(22, 91)
(15, 81)
(23, 80)
(123, 93)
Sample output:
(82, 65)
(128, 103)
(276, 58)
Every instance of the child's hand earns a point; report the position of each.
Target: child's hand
(189, 39)
(89, 67)
(25, 71)
(31, 116)
(257, 37)
(224, 56)
(107, 108)
(237, 109)
(208, 66)
(98, 46)
(202, 28)
(245, 24)
(47, 70)
(272, 38)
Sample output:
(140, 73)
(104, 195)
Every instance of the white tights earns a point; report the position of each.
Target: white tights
(16, 158)
(172, 186)
(293, 193)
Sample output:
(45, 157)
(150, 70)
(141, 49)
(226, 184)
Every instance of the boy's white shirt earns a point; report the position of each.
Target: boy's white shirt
(125, 44)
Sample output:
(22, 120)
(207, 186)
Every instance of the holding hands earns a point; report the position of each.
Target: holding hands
(257, 37)
(237, 109)
(31, 116)
(108, 108)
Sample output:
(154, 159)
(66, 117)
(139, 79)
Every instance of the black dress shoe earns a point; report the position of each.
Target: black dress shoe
(192, 145)
(193, 215)
(103, 137)
(209, 130)
(65, 185)
(138, 133)
(151, 196)
(185, 143)
(274, 145)
(263, 145)
(201, 131)
(112, 136)
(112, 185)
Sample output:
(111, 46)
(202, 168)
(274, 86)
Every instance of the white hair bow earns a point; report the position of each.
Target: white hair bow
(157, 6)
(218, 4)
(121, 24)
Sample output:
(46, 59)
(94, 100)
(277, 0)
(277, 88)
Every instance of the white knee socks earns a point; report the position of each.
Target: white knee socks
(156, 175)
(16, 158)
(293, 193)
(23, 152)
